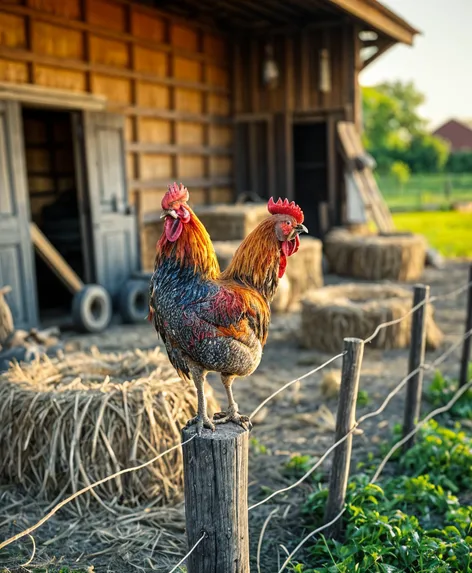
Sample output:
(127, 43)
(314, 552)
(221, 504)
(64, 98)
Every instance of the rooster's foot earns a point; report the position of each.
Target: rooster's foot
(201, 422)
(233, 416)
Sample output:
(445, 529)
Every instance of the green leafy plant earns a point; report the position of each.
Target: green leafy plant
(442, 389)
(412, 522)
(363, 398)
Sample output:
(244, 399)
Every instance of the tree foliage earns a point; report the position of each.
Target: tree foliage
(396, 132)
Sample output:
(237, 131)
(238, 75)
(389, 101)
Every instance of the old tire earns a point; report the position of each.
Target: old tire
(92, 309)
(133, 301)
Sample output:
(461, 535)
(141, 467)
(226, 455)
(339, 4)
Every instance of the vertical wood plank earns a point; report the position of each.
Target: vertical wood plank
(136, 164)
(465, 360)
(172, 101)
(271, 157)
(253, 163)
(289, 170)
(332, 169)
(254, 80)
(84, 12)
(357, 101)
(205, 110)
(345, 419)
(416, 360)
(237, 78)
(288, 77)
(215, 484)
(305, 83)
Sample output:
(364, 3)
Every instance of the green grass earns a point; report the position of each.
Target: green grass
(450, 232)
(426, 189)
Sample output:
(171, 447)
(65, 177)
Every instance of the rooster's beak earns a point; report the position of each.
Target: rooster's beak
(170, 212)
(301, 229)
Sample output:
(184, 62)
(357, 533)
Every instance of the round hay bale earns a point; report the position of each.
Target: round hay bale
(399, 257)
(65, 423)
(333, 313)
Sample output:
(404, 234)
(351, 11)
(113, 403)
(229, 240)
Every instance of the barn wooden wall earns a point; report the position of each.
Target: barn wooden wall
(298, 60)
(170, 80)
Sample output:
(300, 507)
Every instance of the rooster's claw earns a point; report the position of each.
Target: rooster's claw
(236, 417)
(201, 422)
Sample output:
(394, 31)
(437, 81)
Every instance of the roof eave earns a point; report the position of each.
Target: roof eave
(379, 17)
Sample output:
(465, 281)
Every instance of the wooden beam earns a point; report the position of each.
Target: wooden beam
(175, 148)
(54, 260)
(190, 182)
(171, 114)
(383, 46)
(70, 64)
(39, 95)
(252, 117)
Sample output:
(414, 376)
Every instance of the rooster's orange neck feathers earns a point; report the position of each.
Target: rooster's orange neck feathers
(256, 262)
(192, 248)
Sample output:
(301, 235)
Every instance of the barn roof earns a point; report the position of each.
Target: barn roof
(267, 14)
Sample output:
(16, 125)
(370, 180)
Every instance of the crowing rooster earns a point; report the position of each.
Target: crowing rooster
(212, 321)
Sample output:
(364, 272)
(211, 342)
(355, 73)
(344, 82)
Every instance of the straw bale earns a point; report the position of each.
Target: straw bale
(399, 257)
(231, 222)
(355, 310)
(69, 421)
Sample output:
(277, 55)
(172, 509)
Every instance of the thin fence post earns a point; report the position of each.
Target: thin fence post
(216, 486)
(345, 419)
(464, 373)
(416, 360)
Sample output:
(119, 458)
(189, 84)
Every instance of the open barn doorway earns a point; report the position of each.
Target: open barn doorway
(55, 202)
(310, 164)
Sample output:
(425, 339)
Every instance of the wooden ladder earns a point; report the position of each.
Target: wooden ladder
(353, 152)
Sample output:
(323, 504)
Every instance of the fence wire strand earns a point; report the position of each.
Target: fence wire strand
(306, 538)
(365, 417)
(285, 386)
(185, 557)
(380, 327)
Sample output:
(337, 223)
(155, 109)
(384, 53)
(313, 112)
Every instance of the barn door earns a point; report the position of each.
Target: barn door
(113, 222)
(16, 252)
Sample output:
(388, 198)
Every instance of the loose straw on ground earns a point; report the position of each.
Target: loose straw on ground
(85, 490)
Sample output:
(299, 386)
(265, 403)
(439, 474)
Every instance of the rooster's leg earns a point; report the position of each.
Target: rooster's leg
(201, 420)
(231, 414)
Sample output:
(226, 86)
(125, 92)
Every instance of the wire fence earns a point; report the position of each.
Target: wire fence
(423, 366)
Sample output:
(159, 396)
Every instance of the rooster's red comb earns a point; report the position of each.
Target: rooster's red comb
(175, 193)
(285, 208)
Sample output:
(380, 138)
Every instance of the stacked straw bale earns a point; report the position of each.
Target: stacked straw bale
(70, 421)
(399, 257)
(355, 310)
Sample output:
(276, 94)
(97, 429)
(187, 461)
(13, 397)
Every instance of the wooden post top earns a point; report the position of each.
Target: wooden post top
(229, 431)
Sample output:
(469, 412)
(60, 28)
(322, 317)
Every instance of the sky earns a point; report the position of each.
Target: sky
(440, 61)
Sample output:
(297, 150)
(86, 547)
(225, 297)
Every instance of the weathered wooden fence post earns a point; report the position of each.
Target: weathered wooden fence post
(416, 360)
(216, 482)
(464, 373)
(345, 419)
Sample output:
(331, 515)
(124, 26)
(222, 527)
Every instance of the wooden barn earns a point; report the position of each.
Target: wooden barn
(104, 102)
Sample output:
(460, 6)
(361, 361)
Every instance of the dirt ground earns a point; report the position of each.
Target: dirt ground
(291, 424)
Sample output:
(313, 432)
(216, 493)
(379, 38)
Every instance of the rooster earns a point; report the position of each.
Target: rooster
(212, 321)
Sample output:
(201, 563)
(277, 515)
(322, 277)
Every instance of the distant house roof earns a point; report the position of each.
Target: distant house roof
(458, 133)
